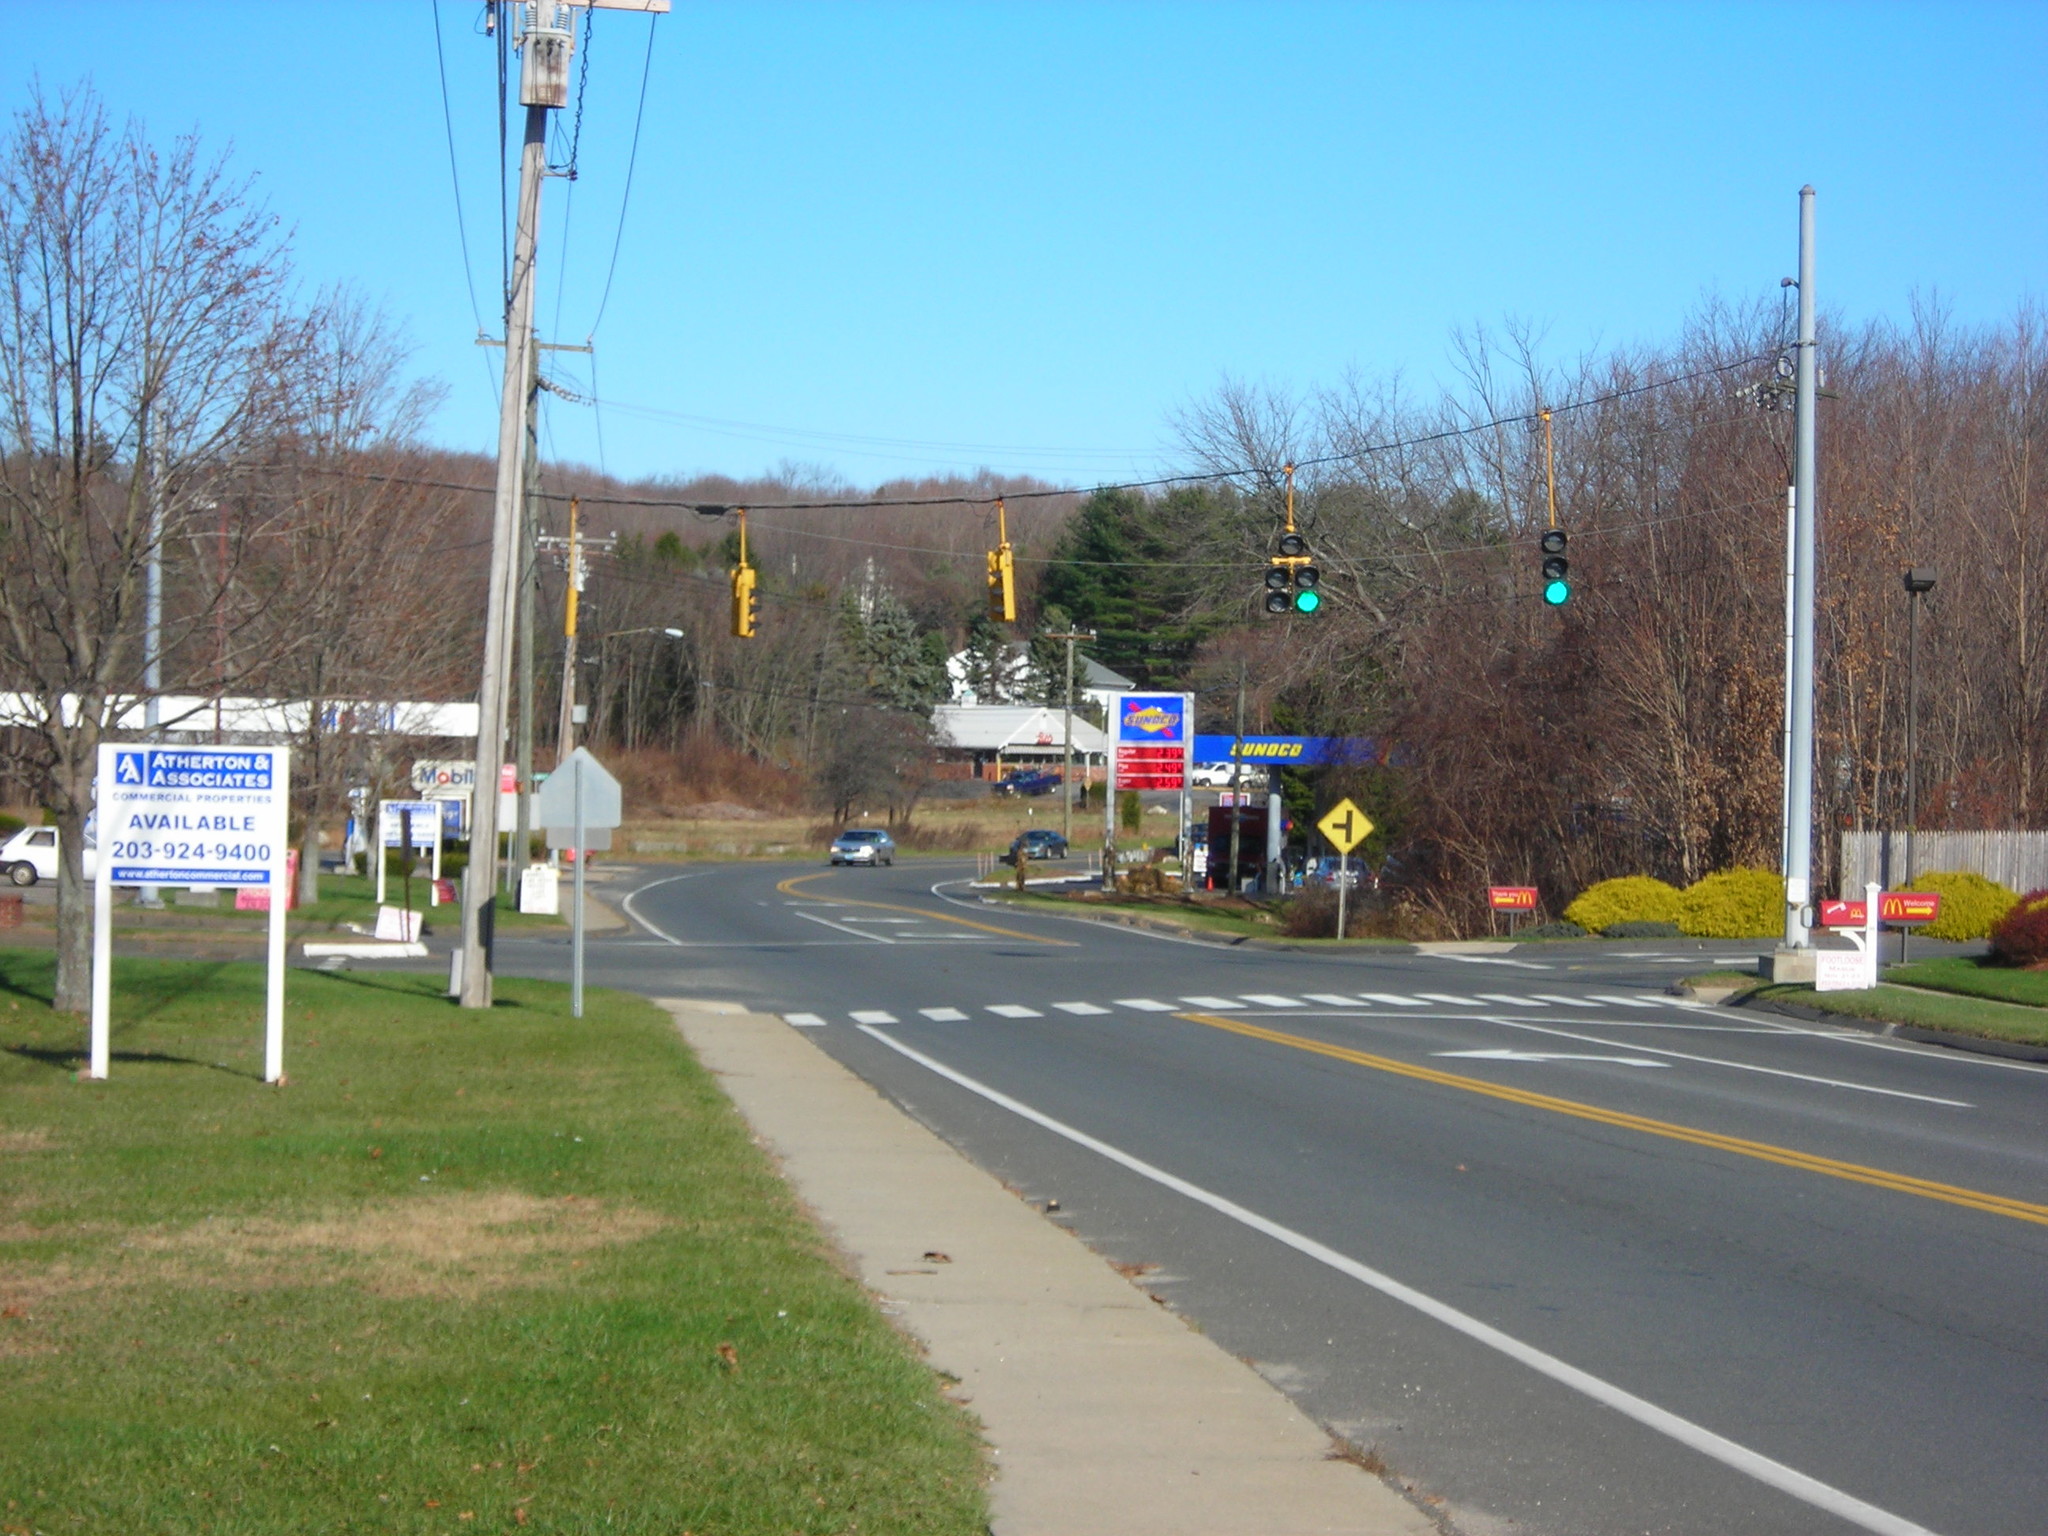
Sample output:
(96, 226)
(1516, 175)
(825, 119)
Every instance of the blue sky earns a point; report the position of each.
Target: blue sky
(891, 239)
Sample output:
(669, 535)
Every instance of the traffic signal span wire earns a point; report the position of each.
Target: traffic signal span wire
(626, 197)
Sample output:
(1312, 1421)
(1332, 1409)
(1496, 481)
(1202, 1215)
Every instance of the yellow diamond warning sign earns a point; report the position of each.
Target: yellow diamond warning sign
(1346, 826)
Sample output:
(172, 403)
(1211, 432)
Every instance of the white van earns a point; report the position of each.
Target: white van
(31, 855)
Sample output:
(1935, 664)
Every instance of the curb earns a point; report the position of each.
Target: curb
(1976, 1045)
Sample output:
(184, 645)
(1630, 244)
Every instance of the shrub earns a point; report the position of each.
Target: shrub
(1130, 810)
(1631, 899)
(1970, 905)
(1559, 930)
(1741, 903)
(1642, 931)
(2021, 937)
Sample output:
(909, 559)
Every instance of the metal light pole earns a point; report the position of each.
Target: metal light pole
(1067, 736)
(1799, 787)
(1919, 582)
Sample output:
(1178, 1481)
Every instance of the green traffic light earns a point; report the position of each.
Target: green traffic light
(1307, 601)
(1557, 593)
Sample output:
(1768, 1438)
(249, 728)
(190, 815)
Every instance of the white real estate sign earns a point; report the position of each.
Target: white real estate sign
(193, 816)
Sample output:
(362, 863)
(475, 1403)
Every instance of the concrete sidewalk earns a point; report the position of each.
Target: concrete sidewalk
(1106, 1413)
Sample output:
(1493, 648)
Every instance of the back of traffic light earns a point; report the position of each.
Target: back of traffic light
(1002, 572)
(1292, 580)
(746, 606)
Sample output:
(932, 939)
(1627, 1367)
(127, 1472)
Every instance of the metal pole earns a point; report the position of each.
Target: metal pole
(479, 885)
(1919, 581)
(1785, 734)
(1343, 880)
(576, 918)
(1067, 752)
(1799, 791)
(528, 599)
(1230, 883)
(153, 622)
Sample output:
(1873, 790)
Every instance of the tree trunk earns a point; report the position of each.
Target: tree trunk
(309, 851)
(74, 914)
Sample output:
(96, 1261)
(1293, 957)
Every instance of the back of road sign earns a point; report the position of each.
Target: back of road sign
(554, 803)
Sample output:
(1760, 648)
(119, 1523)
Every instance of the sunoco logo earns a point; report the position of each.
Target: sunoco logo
(1151, 719)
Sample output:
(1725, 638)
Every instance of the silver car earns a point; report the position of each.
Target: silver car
(864, 845)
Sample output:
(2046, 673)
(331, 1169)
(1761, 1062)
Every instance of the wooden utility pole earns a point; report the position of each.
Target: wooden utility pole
(1067, 736)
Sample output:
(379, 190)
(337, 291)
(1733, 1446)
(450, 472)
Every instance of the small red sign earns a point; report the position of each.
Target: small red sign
(1908, 906)
(1511, 898)
(1843, 914)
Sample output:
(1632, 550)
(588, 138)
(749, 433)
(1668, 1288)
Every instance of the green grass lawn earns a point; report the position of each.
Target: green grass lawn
(353, 899)
(1899, 1005)
(1975, 978)
(464, 1273)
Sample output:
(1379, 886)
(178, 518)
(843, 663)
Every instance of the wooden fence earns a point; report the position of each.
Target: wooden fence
(2016, 860)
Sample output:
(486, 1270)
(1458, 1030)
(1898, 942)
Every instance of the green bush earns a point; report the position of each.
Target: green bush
(1559, 930)
(1970, 905)
(1630, 899)
(1130, 811)
(1741, 903)
(1639, 930)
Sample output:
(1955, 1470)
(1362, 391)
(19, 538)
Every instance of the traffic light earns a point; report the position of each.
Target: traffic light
(1557, 588)
(1002, 572)
(1292, 579)
(746, 607)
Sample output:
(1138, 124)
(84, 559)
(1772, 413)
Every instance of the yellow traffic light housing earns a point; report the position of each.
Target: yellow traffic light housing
(746, 607)
(1002, 572)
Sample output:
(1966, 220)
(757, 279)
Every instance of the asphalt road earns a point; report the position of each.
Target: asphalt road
(1568, 1255)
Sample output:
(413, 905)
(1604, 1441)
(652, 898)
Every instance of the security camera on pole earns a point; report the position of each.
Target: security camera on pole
(546, 42)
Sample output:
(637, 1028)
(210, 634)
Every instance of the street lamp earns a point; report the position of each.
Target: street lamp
(1919, 582)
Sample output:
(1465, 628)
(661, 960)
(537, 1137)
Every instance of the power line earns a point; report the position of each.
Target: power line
(501, 24)
(454, 176)
(626, 197)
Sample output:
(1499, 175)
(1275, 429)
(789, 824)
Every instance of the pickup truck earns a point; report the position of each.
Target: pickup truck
(1028, 781)
(31, 855)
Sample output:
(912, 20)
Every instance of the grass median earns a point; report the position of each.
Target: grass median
(1980, 1017)
(467, 1272)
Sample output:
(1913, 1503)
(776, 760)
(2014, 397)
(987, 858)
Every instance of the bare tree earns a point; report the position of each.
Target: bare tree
(140, 349)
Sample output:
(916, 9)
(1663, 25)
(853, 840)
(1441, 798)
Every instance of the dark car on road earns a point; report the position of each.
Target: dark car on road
(1028, 781)
(1038, 843)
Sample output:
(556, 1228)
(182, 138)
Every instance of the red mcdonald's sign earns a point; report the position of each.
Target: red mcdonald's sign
(1511, 898)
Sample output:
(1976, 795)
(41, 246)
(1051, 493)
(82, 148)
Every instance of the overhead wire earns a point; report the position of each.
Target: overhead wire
(455, 176)
(626, 196)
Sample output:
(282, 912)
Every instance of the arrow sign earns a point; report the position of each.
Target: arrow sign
(1346, 826)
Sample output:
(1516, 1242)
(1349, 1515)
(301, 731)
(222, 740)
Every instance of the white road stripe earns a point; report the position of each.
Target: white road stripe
(1271, 1000)
(1143, 1004)
(1626, 1002)
(1394, 998)
(1513, 1001)
(1502, 1054)
(1527, 965)
(1446, 997)
(943, 1015)
(1214, 1003)
(812, 917)
(1754, 1464)
(804, 1020)
(1014, 1011)
(873, 1016)
(1569, 1002)
(1334, 999)
(1079, 1008)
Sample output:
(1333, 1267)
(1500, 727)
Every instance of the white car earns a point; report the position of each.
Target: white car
(31, 855)
(1215, 775)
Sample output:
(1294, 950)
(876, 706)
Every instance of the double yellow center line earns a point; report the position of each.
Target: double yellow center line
(1787, 1157)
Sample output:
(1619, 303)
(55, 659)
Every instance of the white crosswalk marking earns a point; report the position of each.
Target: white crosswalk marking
(1334, 999)
(1511, 1000)
(1272, 1000)
(1568, 1002)
(1144, 1004)
(1079, 1008)
(1448, 997)
(1626, 1002)
(943, 1015)
(1212, 1002)
(1014, 1011)
(804, 1020)
(1395, 999)
(873, 1016)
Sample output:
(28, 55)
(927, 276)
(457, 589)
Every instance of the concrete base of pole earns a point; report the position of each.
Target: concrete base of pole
(1786, 965)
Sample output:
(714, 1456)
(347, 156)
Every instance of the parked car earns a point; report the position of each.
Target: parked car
(1356, 874)
(864, 845)
(1214, 775)
(1038, 843)
(1028, 781)
(31, 855)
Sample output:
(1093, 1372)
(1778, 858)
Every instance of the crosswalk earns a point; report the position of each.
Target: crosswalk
(1389, 1003)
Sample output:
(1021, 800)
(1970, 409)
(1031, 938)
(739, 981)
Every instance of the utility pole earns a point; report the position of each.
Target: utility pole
(1919, 582)
(153, 617)
(1236, 785)
(1067, 736)
(529, 601)
(546, 44)
(1805, 506)
(565, 727)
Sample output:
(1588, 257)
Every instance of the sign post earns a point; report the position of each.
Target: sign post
(199, 816)
(579, 805)
(1346, 826)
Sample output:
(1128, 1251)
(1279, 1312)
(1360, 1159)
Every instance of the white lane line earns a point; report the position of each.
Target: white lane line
(1843, 1035)
(1220, 1004)
(1527, 965)
(943, 1015)
(873, 1016)
(1625, 1002)
(1014, 1011)
(804, 1020)
(1334, 999)
(1080, 1008)
(1394, 998)
(1512, 1000)
(1569, 1002)
(1502, 1054)
(1143, 1004)
(1446, 997)
(1271, 1000)
(876, 938)
(1773, 1474)
(626, 906)
(1739, 1066)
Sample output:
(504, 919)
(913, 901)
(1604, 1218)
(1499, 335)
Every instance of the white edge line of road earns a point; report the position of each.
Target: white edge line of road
(1093, 922)
(1754, 1464)
(626, 906)
(1923, 1049)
